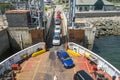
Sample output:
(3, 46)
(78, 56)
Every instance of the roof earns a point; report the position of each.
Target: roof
(91, 2)
(17, 11)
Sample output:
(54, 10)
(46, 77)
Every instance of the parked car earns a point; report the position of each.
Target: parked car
(58, 12)
(58, 16)
(57, 21)
(57, 28)
(65, 59)
(82, 75)
(56, 39)
(56, 34)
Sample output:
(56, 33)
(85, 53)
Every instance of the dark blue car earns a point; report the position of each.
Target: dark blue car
(82, 75)
(65, 59)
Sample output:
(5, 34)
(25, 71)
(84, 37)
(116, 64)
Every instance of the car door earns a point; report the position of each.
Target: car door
(61, 57)
(58, 54)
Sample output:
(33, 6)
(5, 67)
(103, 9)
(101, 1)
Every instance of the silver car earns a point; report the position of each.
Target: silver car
(56, 39)
(57, 29)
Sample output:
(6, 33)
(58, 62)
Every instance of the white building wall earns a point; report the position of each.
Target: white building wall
(109, 8)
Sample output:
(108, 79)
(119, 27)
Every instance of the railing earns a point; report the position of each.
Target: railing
(101, 63)
(6, 64)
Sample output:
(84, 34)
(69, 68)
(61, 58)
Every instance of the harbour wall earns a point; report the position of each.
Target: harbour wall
(89, 37)
(22, 33)
(17, 38)
(92, 14)
(20, 37)
(101, 26)
(4, 41)
(24, 36)
(106, 22)
(106, 25)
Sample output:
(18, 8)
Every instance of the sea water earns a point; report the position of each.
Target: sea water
(108, 47)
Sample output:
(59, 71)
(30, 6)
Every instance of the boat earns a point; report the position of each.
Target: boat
(38, 63)
(46, 66)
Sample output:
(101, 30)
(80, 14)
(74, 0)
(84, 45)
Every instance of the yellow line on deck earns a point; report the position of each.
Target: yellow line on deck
(36, 68)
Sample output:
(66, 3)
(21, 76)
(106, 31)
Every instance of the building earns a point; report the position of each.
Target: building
(5, 1)
(47, 2)
(92, 5)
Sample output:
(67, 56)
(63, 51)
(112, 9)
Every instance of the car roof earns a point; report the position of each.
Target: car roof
(56, 34)
(85, 75)
(57, 25)
(63, 53)
(56, 38)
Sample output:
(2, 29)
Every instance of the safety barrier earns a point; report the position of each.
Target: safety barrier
(73, 52)
(38, 53)
(90, 57)
(92, 14)
(101, 63)
(6, 64)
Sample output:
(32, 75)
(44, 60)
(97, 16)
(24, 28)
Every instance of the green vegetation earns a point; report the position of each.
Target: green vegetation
(47, 8)
(114, 0)
(5, 6)
(66, 7)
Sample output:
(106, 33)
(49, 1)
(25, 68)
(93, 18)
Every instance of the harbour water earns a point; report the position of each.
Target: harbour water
(108, 47)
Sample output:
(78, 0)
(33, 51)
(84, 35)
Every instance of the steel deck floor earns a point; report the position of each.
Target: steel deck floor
(47, 65)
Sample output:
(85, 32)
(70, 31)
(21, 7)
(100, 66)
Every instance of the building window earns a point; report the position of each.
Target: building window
(86, 8)
(77, 7)
(80, 8)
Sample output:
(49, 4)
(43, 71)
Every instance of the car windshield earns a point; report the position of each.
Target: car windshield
(57, 20)
(56, 34)
(57, 28)
(56, 38)
(66, 57)
(57, 25)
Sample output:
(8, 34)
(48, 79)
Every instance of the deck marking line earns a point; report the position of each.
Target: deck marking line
(36, 68)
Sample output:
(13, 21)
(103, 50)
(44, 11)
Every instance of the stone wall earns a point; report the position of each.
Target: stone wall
(4, 41)
(97, 14)
(19, 37)
(22, 37)
(106, 25)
